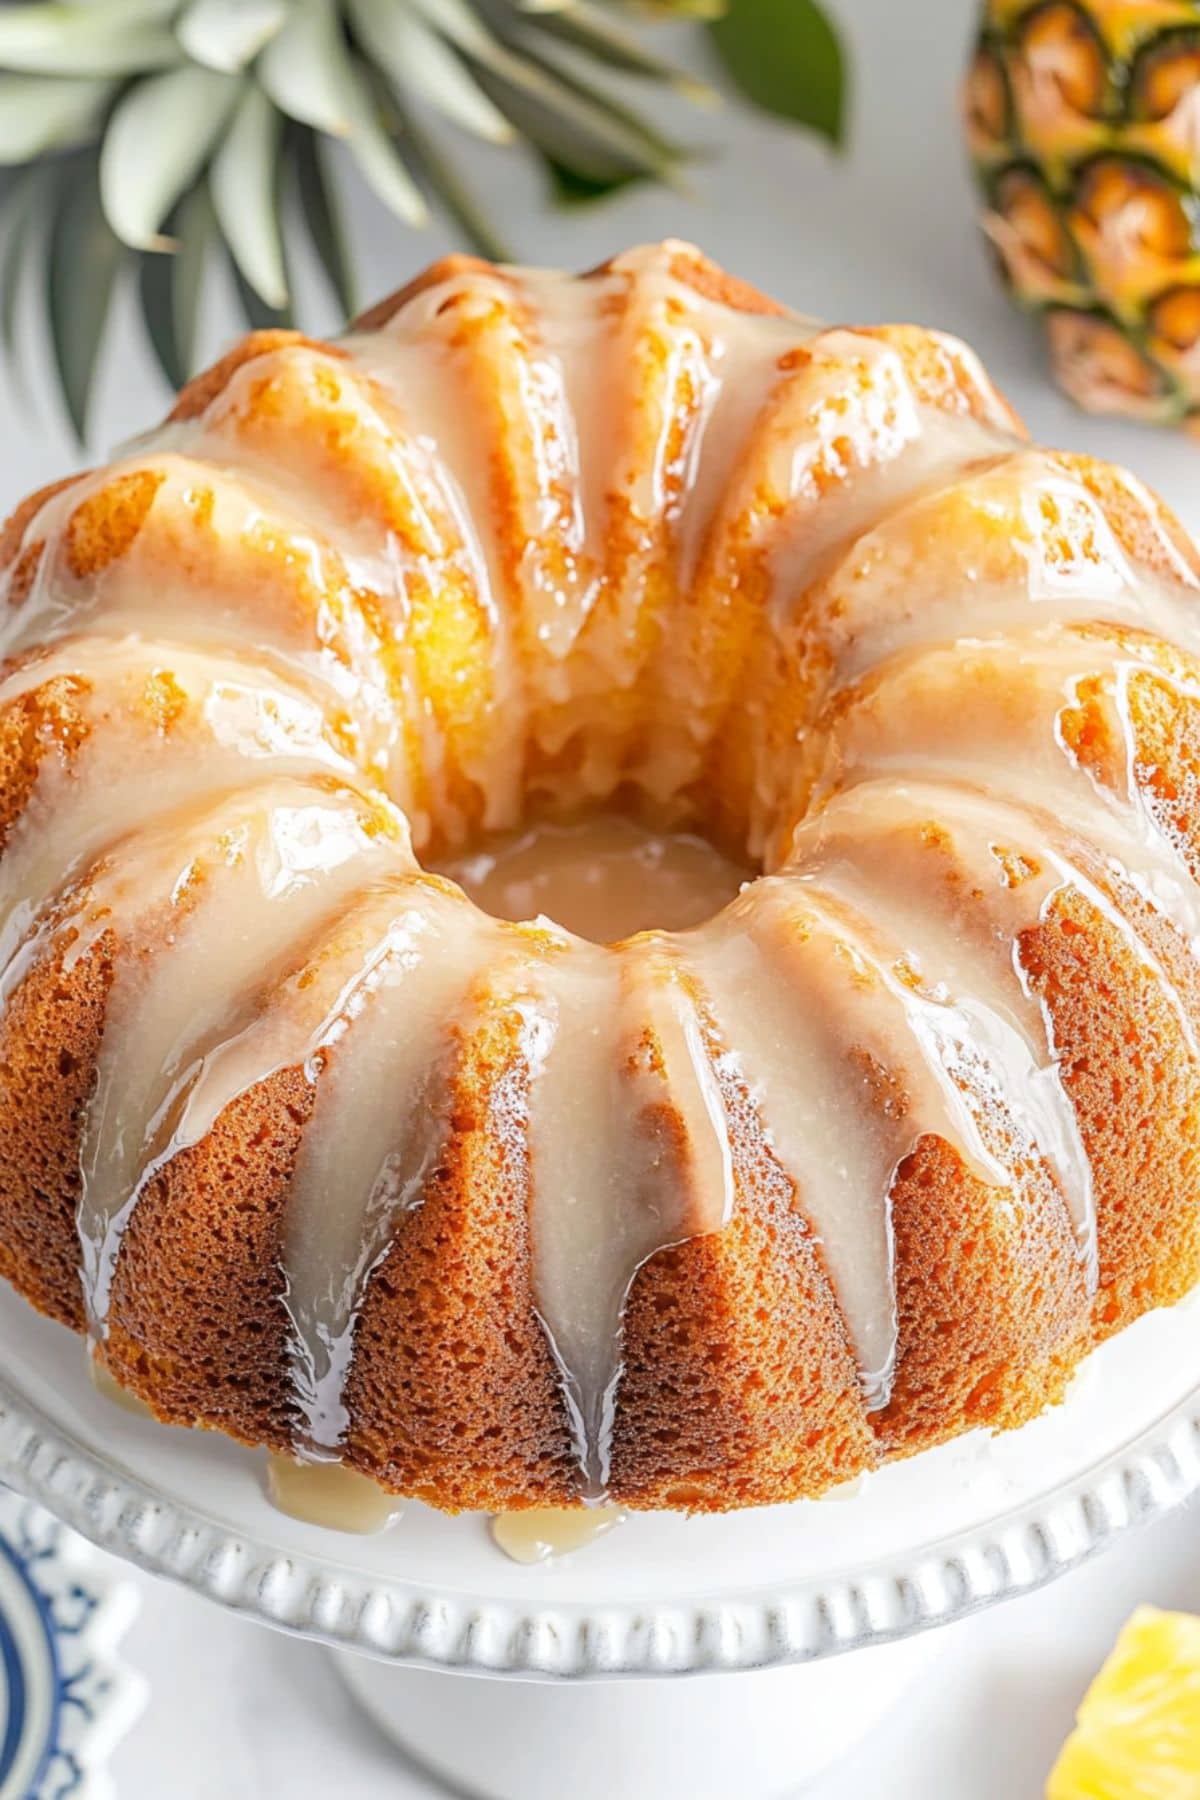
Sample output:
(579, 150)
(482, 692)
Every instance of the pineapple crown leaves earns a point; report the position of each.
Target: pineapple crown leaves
(159, 134)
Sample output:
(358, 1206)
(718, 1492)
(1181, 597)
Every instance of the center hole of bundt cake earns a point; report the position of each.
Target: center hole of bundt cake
(601, 874)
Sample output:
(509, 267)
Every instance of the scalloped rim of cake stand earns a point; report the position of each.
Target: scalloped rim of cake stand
(922, 1543)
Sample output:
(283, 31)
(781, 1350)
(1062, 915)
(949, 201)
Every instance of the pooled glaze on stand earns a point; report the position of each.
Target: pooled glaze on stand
(330, 1495)
(545, 1533)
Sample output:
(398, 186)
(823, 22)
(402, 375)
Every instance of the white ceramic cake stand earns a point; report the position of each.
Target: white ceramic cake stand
(438, 1613)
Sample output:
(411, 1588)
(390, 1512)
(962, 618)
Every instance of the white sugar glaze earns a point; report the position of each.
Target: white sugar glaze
(517, 586)
(375, 1133)
(614, 1045)
(544, 1533)
(253, 884)
(331, 1495)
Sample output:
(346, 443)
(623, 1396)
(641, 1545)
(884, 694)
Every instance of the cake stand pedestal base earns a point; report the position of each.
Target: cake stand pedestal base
(761, 1736)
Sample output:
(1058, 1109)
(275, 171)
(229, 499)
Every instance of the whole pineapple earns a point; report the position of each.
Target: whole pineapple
(1083, 119)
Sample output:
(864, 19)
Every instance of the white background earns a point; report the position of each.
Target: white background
(885, 233)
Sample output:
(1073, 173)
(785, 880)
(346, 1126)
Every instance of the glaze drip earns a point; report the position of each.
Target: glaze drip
(376, 1130)
(544, 1533)
(338, 1498)
(238, 891)
(630, 1153)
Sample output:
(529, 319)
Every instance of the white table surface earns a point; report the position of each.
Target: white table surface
(885, 233)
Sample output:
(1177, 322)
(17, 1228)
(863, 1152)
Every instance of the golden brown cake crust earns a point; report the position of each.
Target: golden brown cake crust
(709, 280)
(198, 1327)
(46, 722)
(453, 1391)
(49, 1039)
(198, 395)
(739, 1387)
(447, 268)
(739, 1382)
(12, 534)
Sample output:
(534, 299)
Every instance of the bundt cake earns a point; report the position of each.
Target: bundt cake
(322, 1155)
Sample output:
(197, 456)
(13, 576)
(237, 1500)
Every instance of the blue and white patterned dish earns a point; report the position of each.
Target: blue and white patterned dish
(65, 1699)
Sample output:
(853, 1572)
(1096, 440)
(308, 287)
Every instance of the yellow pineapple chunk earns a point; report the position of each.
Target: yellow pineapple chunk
(1137, 1733)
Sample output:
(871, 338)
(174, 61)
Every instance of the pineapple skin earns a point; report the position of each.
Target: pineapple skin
(1083, 124)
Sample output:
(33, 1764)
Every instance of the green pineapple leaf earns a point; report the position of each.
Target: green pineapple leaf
(258, 314)
(82, 263)
(171, 287)
(228, 34)
(320, 211)
(244, 183)
(578, 128)
(120, 38)
(787, 58)
(380, 161)
(182, 114)
(303, 68)
(40, 113)
(411, 54)
(683, 9)
(569, 188)
(573, 124)
(205, 128)
(452, 195)
(590, 28)
(24, 212)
